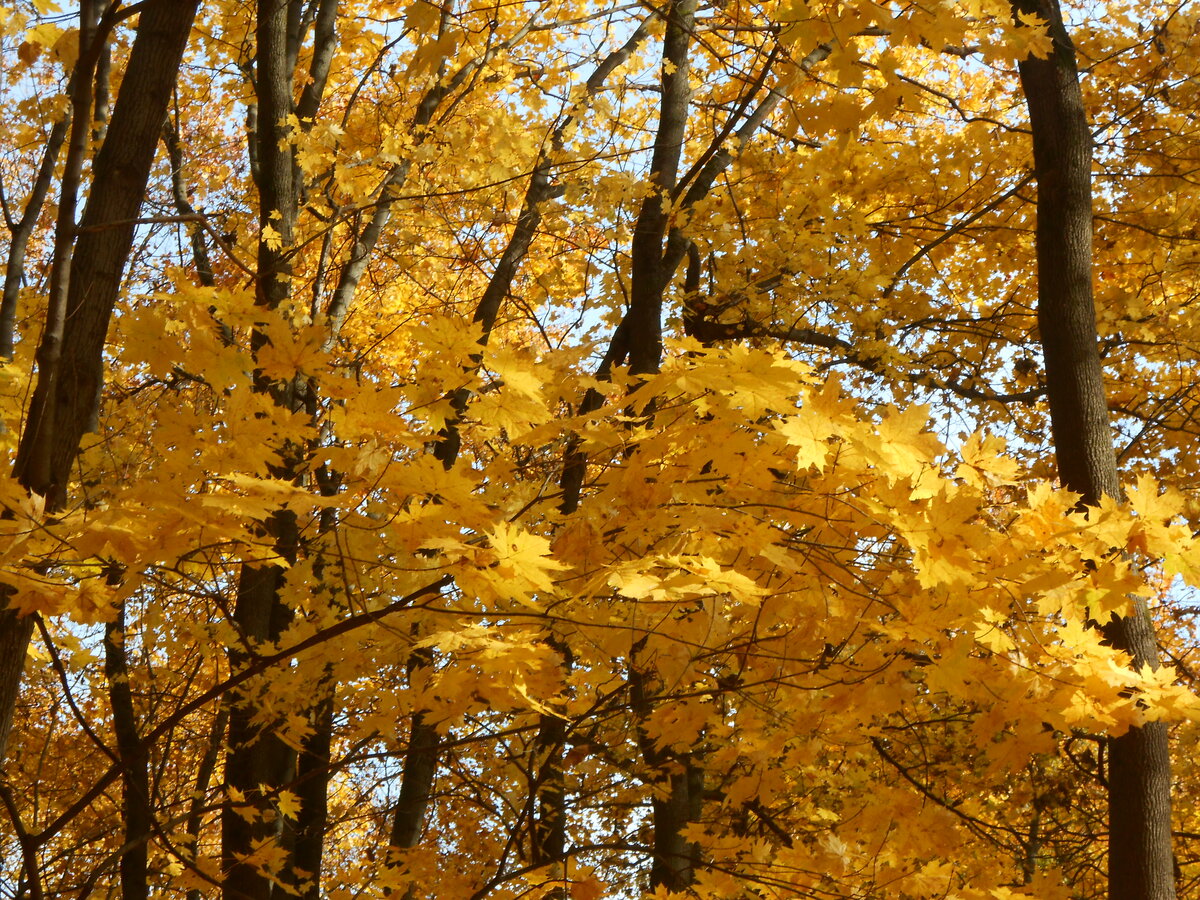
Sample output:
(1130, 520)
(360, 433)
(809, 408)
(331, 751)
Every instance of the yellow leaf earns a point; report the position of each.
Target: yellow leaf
(590, 888)
(522, 565)
(288, 805)
(272, 238)
(984, 463)
(422, 16)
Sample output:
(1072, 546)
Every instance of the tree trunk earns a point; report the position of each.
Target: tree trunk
(66, 397)
(679, 798)
(312, 788)
(649, 276)
(135, 790)
(1140, 863)
(259, 762)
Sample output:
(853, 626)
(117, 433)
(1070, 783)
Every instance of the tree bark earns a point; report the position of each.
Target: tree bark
(22, 230)
(259, 762)
(199, 804)
(183, 206)
(679, 798)
(416, 783)
(135, 776)
(66, 397)
(649, 275)
(312, 789)
(1140, 862)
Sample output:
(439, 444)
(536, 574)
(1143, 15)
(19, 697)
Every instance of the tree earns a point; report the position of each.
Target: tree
(88, 258)
(1140, 862)
(571, 450)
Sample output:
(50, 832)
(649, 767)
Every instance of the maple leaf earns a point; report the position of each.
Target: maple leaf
(437, 488)
(271, 237)
(520, 563)
(984, 462)
(288, 804)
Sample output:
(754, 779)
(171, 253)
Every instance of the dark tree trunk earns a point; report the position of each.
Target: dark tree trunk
(22, 231)
(135, 791)
(417, 776)
(15, 633)
(259, 762)
(418, 771)
(679, 801)
(674, 859)
(179, 193)
(312, 789)
(548, 828)
(66, 397)
(1140, 863)
(204, 774)
(549, 792)
(650, 274)
(416, 784)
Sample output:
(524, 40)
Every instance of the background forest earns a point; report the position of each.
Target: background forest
(564, 449)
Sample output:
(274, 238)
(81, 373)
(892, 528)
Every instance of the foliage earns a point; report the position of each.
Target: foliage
(809, 576)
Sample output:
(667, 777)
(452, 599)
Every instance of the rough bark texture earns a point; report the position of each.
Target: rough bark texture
(259, 762)
(135, 790)
(1140, 859)
(312, 789)
(66, 396)
(678, 804)
(64, 404)
(649, 276)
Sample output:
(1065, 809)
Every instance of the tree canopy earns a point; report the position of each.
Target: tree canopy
(560, 449)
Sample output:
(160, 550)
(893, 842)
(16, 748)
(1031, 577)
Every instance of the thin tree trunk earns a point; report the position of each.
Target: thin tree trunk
(135, 792)
(22, 231)
(417, 776)
(548, 838)
(101, 108)
(16, 631)
(315, 759)
(183, 206)
(416, 783)
(204, 773)
(549, 808)
(421, 758)
(1140, 862)
(679, 800)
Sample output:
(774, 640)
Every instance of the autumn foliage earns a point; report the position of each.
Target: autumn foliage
(557, 449)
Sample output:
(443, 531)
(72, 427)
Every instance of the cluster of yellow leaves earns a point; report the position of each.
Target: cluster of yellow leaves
(861, 632)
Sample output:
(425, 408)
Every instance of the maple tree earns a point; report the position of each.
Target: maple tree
(558, 449)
